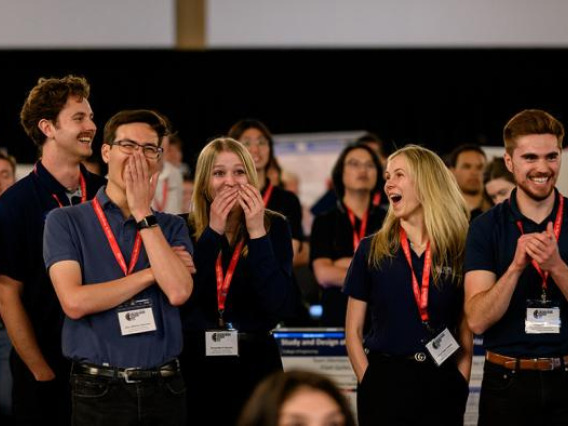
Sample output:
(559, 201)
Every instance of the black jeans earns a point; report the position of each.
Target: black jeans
(105, 401)
(523, 397)
(398, 391)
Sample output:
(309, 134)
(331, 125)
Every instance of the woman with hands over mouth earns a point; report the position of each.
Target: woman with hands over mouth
(243, 285)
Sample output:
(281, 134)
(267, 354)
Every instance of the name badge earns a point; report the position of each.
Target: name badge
(542, 318)
(442, 346)
(221, 343)
(136, 317)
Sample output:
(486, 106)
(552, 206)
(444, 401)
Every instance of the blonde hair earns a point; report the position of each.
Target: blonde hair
(446, 216)
(203, 171)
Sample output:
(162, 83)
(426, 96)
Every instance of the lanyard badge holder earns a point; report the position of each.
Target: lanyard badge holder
(440, 344)
(543, 315)
(225, 340)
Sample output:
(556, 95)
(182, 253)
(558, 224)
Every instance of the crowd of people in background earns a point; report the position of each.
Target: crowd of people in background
(136, 288)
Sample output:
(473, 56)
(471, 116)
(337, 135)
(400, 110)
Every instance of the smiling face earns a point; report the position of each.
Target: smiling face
(535, 164)
(400, 188)
(228, 171)
(310, 407)
(116, 158)
(258, 146)
(73, 130)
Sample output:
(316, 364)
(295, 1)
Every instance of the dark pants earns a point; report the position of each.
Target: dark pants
(102, 401)
(399, 391)
(36, 403)
(523, 397)
(218, 387)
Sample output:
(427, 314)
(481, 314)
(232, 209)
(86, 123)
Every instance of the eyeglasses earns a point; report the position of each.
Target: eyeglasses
(354, 164)
(149, 150)
(261, 142)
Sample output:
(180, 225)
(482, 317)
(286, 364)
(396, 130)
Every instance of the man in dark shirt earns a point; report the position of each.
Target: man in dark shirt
(516, 282)
(57, 116)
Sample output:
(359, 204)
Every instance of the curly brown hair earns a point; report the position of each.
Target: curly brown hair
(47, 99)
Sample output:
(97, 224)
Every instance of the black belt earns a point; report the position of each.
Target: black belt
(418, 356)
(129, 375)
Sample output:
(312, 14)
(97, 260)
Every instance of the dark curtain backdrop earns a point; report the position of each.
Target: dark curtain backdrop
(435, 97)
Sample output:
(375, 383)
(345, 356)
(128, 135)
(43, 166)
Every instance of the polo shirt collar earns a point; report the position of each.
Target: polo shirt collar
(49, 181)
(104, 200)
(516, 214)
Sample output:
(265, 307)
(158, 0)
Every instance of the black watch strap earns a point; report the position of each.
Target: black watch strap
(148, 222)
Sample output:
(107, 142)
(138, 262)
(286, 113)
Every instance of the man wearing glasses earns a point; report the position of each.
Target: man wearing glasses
(58, 118)
(120, 271)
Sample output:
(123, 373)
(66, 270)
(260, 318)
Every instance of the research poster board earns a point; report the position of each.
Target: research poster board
(323, 350)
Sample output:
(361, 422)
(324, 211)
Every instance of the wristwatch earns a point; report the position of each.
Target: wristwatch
(148, 222)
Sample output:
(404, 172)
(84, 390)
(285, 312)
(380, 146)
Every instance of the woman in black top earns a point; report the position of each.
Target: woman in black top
(335, 234)
(256, 137)
(243, 285)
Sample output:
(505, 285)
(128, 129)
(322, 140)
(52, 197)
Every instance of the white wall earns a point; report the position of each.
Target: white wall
(387, 23)
(87, 23)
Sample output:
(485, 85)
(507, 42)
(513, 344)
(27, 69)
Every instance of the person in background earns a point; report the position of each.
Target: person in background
(169, 190)
(256, 137)
(174, 153)
(328, 200)
(498, 181)
(467, 163)
(7, 179)
(297, 397)
(120, 271)
(188, 185)
(243, 285)
(357, 180)
(409, 275)
(58, 118)
(7, 171)
(516, 282)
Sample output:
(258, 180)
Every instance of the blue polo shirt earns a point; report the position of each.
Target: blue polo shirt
(396, 327)
(75, 233)
(491, 244)
(23, 208)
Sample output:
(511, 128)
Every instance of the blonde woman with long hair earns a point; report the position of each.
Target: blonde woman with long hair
(413, 366)
(243, 285)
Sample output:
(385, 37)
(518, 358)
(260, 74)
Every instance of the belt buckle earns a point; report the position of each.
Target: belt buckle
(126, 375)
(420, 356)
(549, 361)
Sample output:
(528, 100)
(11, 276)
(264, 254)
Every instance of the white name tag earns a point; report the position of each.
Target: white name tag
(221, 343)
(134, 321)
(442, 346)
(542, 320)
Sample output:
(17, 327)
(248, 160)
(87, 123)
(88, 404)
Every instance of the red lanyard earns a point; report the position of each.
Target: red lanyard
(267, 194)
(557, 226)
(161, 206)
(376, 199)
(113, 243)
(420, 294)
(223, 283)
(83, 191)
(358, 237)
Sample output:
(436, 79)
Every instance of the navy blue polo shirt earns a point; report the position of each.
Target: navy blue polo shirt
(491, 244)
(75, 233)
(23, 208)
(396, 326)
